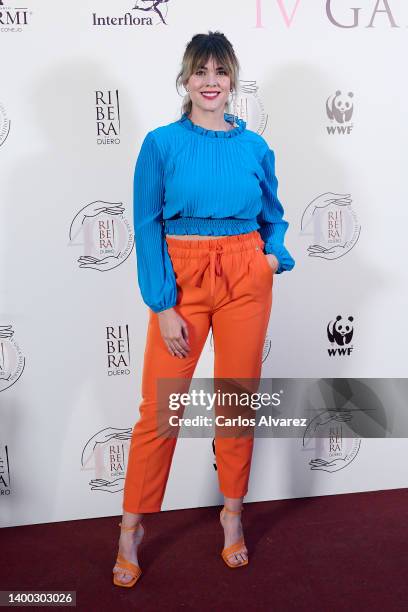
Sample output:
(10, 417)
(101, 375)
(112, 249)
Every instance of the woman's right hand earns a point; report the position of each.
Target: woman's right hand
(174, 331)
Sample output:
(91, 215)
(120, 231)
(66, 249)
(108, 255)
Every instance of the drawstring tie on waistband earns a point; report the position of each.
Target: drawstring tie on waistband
(214, 261)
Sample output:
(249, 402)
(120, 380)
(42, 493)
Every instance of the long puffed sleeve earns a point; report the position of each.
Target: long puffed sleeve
(272, 224)
(155, 271)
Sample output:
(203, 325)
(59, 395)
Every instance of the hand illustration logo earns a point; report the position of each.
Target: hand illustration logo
(334, 225)
(107, 236)
(114, 486)
(12, 360)
(331, 437)
(105, 453)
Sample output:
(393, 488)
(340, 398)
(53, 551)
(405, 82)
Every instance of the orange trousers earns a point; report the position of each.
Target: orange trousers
(225, 284)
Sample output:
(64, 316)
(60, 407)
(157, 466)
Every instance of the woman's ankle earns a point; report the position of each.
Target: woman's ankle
(130, 519)
(234, 504)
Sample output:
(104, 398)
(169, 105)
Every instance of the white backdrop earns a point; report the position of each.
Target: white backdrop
(81, 84)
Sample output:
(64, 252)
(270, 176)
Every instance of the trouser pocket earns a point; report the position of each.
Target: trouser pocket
(265, 265)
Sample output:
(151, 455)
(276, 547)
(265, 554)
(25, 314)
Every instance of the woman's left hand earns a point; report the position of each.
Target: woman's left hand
(273, 261)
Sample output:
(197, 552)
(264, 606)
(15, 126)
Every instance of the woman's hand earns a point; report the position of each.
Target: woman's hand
(174, 331)
(273, 261)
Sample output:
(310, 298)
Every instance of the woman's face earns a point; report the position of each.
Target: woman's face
(209, 79)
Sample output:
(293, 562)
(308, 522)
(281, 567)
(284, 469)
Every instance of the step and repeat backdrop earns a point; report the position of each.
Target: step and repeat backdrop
(81, 84)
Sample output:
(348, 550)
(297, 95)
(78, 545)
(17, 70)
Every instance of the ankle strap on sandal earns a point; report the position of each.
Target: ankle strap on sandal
(129, 528)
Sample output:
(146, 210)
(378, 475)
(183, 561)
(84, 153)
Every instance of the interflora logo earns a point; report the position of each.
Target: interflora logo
(340, 13)
(104, 234)
(13, 19)
(331, 222)
(144, 13)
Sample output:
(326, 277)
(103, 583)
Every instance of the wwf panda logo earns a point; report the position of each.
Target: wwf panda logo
(341, 330)
(340, 107)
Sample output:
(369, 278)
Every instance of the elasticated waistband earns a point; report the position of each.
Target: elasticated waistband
(209, 226)
(227, 244)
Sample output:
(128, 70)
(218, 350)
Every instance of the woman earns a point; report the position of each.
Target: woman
(209, 232)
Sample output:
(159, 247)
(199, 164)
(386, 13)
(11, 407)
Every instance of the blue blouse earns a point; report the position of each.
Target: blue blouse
(193, 180)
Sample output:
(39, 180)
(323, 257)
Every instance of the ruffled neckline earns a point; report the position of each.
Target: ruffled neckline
(186, 122)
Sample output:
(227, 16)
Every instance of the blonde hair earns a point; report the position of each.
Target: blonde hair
(198, 51)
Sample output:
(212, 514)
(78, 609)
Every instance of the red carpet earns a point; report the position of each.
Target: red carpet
(321, 554)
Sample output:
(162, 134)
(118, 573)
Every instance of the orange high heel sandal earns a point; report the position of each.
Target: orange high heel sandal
(124, 564)
(234, 548)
